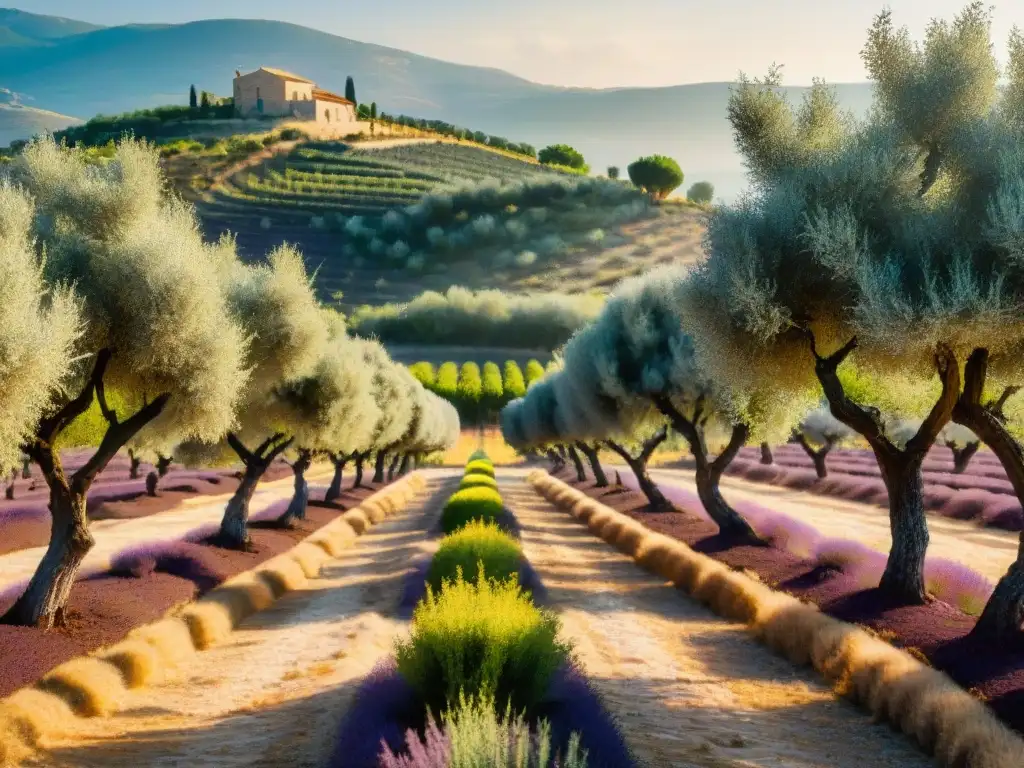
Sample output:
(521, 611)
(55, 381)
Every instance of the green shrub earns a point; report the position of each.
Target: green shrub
(481, 639)
(478, 544)
(291, 134)
(474, 479)
(701, 192)
(477, 503)
(483, 466)
(562, 154)
(658, 175)
(479, 455)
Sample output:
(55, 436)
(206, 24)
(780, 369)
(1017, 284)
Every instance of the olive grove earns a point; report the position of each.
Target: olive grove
(881, 263)
(131, 301)
(120, 328)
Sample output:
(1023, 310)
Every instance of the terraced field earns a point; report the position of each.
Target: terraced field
(304, 194)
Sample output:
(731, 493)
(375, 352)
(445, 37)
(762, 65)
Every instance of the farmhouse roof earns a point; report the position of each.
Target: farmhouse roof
(328, 96)
(287, 75)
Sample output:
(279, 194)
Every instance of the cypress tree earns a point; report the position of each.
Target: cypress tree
(193, 102)
(350, 89)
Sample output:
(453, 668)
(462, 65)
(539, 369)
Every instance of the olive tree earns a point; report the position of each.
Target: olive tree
(394, 407)
(541, 427)
(857, 257)
(324, 411)
(961, 441)
(657, 175)
(289, 333)
(818, 433)
(154, 326)
(643, 353)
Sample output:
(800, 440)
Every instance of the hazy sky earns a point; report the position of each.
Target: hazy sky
(588, 43)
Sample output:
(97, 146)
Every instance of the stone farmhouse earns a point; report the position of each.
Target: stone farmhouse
(276, 93)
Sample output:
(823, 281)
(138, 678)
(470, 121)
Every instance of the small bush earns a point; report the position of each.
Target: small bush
(479, 455)
(525, 259)
(477, 545)
(474, 735)
(658, 175)
(701, 192)
(291, 134)
(470, 504)
(561, 154)
(482, 466)
(483, 639)
(474, 479)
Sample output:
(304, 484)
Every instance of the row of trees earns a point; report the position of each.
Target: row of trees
(462, 134)
(184, 348)
(877, 263)
(478, 393)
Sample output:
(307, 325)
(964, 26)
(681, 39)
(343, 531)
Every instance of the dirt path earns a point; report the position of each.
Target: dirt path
(114, 535)
(986, 550)
(273, 694)
(689, 688)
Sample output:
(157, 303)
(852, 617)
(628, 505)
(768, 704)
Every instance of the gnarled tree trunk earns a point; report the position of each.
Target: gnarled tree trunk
(1003, 616)
(766, 454)
(44, 602)
(817, 455)
(395, 461)
(339, 461)
(360, 460)
(26, 468)
(708, 473)
(581, 473)
(638, 464)
(556, 461)
(234, 526)
(903, 578)
(152, 480)
(381, 461)
(136, 462)
(163, 464)
(403, 468)
(962, 456)
(300, 499)
(600, 479)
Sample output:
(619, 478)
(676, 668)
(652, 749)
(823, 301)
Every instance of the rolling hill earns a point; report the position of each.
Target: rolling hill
(18, 121)
(143, 66)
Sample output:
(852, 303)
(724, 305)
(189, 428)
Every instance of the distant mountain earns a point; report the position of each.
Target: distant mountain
(116, 69)
(20, 29)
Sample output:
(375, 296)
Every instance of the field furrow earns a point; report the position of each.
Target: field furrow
(689, 689)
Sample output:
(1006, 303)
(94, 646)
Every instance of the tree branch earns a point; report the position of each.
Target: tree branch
(996, 407)
(267, 443)
(238, 447)
(740, 434)
(277, 451)
(101, 398)
(684, 426)
(949, 374)
(620, 450)
(650, 445)
(114, 439)
(50, 427)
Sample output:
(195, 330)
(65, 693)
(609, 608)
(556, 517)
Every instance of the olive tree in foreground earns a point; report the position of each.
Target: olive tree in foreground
(394, 408)
(818, 433)
(842, 262)
(155, 327)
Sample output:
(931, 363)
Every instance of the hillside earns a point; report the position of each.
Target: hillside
(23, 29)
(610, 126)
(19, 122)
(382, 221)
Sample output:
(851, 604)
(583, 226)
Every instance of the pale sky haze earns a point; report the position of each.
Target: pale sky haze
(584, 43)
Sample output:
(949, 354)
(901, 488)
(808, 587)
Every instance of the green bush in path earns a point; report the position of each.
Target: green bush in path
(482, 466)
(478, 544)
(482, 639)
(474, 479)
(477, 503)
